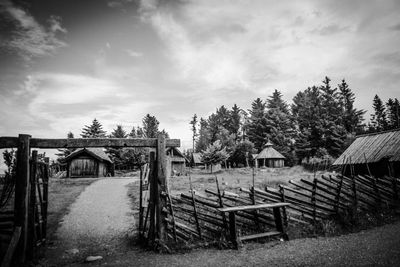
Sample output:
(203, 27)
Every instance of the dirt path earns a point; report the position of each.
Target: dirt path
(98, 223)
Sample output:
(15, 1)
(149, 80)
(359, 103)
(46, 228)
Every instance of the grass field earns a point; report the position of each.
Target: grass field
(234, 179)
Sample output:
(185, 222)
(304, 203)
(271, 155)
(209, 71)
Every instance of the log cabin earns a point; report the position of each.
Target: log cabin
(88, 162)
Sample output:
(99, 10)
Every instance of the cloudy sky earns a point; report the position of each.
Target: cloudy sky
(63, 63)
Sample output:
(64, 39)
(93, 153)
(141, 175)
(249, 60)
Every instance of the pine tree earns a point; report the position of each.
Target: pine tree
(193, 122)
(150, 126)
(378, 119)
(235, 122)
(204, 138)
(393, 113)
(275, 101)
(118, 132)
(351, 117)
(95, 130)
(256, 125)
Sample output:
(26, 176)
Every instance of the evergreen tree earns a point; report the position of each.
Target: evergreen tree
(235, 122)
(193, 122)
(378, 118)
(275, 101)
(164, 132)
(150, 126)
(351, 117)
(256, 125)
(204, 136)
(393, 113)
(95, 130)
(118, 132)
(242, 153)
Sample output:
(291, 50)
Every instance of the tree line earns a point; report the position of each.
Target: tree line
(321, 122)
(122, 157)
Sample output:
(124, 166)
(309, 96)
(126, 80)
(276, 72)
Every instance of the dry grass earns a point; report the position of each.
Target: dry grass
(234, 179)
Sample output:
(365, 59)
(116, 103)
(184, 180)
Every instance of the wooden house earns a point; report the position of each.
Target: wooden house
(269, 157)
(178, 161)
(376, 153)
(196, 160)
(88, 162)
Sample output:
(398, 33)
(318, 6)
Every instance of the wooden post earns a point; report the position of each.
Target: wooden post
(232, 229)
(162, 189)
(140, 203)
(32, 237)
(195, 208)
(153, 197)
(221, 203)
(45, 198)
(314, 201)
(22, 193)
(279, 224)
(283, 199)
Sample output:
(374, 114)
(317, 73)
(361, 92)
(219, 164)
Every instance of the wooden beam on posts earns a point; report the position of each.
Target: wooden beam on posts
(162, 189)
(22, 193)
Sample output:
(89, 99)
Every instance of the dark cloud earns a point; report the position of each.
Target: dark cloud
(395, 27)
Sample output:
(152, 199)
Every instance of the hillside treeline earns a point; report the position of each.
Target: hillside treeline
(321, 122)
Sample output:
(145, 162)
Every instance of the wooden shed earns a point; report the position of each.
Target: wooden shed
(378, 152)
(269, 157)
(88, 162)
(178, 161)
(196, 160)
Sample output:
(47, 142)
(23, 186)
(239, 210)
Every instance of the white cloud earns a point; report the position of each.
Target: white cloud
(133, 53)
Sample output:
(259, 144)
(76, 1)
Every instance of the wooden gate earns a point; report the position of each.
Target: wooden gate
(31, 189)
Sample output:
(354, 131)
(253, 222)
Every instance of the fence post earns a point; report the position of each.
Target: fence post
(32, 207)
(153, 197)
(162, 189)
(283, 199)
(22, 193)
(314, 201)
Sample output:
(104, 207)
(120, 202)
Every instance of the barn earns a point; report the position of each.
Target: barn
(196, 160)
(269, 157)
(178, 161)
(375, 153)
(88, 162)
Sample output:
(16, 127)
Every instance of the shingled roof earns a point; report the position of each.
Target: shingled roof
(269, 153)
(370, 148)
(95, 152)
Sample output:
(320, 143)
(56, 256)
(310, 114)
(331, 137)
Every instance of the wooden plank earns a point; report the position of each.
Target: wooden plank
(22, 193)
(261, 235)
(32, 235)
(11, 248)
(254, 207)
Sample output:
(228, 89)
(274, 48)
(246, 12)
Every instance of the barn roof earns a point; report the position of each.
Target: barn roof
(176, 153)
(372, 148)
(97, 153)
(269, 153)
(196, 157)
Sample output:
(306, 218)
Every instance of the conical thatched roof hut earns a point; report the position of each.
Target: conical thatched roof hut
(269, 157)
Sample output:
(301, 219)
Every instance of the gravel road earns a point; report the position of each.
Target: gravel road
(99, 221)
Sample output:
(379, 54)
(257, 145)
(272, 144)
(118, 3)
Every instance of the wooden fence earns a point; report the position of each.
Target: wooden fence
(198, 217)
(29, 215)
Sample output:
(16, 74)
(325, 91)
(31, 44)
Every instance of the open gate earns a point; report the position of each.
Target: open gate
(29, 218)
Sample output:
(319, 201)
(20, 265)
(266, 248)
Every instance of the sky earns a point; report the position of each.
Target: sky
(64, 63)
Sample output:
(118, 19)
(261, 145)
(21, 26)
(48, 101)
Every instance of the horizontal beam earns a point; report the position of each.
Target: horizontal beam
(11, 142)
(255, 207)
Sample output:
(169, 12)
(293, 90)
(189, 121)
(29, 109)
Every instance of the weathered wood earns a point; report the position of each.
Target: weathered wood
(6, 262)
(32, 234)
(278, 221)
(153, 202)
(22, 188)
(162, 179)
(260, 235)
(253, 207)
(45, 179)
(141, 209)
(221, 203)
(194, 207)
(232, 229)
(10, 142)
